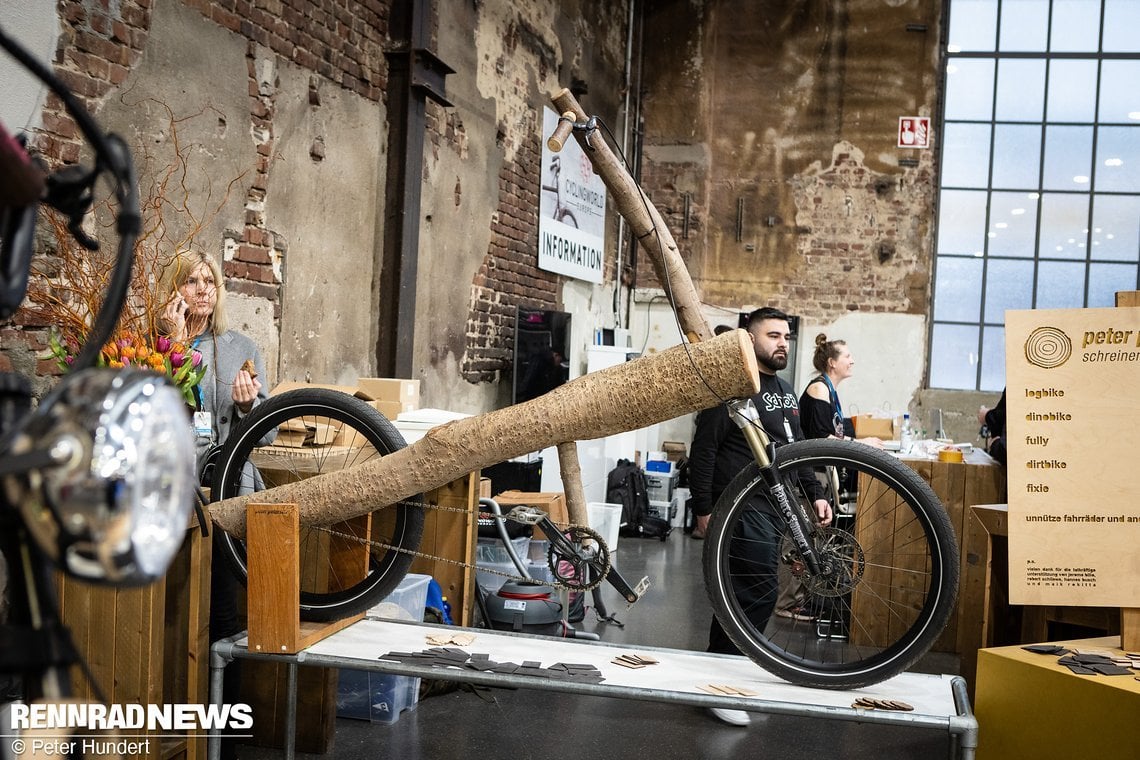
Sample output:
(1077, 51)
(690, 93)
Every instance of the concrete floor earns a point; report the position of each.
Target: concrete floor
(521, 724)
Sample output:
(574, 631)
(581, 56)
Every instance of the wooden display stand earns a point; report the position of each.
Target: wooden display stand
(987, 619)
(274, 566)
(274, 624)
(1129, 616)
(452, 536)
(147, 645)
(264, 684)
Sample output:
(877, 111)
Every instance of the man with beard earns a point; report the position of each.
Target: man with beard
(720, 452)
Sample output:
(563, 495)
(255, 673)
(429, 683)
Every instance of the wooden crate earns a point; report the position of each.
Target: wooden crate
(147, 645)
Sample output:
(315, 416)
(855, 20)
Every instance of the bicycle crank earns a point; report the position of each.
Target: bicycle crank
(585, 552)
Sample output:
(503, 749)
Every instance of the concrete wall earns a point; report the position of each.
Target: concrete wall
(33, 24)
(325, 203)
(778, 122)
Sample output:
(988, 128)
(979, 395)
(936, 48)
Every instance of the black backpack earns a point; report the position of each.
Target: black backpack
(626, 486)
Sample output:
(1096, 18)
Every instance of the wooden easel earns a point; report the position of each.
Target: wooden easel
(273, 556)
(1129, 616)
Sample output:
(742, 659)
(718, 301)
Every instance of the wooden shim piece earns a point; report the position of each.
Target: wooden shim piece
(629, 396)
(627, 663)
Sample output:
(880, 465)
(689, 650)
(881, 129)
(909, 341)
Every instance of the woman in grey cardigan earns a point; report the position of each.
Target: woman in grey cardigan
(196, 317)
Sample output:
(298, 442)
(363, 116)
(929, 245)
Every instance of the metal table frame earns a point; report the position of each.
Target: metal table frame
(961, 724)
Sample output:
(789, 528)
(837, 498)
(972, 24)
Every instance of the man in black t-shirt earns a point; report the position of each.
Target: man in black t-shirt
(720, 452)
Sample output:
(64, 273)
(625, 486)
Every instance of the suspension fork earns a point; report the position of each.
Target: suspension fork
(743, 412)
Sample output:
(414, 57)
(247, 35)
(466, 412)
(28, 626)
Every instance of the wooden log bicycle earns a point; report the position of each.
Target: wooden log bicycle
(885, 585)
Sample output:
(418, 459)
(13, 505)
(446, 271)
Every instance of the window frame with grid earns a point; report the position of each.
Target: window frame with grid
(1036, 207)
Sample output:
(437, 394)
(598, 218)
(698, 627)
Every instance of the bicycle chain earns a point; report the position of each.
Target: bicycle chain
(461, 563)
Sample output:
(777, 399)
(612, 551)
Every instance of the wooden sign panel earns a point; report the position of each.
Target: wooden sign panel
(1073, 425)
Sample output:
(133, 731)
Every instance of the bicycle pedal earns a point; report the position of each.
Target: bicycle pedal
(641, 587)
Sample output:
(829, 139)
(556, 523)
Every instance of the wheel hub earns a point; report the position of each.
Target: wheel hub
(841, 563)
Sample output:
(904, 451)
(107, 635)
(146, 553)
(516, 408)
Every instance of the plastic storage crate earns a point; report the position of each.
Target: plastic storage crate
(407, 602)
(491, 555)
(378, 697)
(381, 697)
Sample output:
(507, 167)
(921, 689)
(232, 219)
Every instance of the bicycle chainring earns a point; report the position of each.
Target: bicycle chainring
(587, 567)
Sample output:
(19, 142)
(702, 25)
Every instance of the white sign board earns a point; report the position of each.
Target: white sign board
(571, 210)
(1072, 412)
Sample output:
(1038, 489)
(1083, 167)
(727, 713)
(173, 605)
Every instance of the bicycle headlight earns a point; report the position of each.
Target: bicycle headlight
(113, 505)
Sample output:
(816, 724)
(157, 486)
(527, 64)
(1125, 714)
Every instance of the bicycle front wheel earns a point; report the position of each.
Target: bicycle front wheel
(316, 431)
(888, 575)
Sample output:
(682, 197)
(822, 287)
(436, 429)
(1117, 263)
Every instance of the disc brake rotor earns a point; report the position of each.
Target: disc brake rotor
(841, 561)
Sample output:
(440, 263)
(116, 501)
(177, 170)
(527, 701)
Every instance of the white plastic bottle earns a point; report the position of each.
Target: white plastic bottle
(906, 436)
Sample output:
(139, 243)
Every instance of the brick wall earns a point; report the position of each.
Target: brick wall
(339, 40)
(859, 240)
(509, 276)
(863, 239)
(666, 189)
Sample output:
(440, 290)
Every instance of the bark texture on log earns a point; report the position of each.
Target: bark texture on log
(629, 396)
(646, 224)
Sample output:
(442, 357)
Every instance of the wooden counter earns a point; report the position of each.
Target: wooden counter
(977, 480)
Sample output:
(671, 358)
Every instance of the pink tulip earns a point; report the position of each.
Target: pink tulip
(196, 359)
(162, 344)
(177, 359)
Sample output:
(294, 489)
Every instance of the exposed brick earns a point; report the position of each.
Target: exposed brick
(250, 288)
(252, 254)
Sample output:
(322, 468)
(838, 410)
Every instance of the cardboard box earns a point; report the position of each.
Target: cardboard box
(553, 504)
(390, 409)
(867, 426)
(293, 385)
(403, 392)
(674, 450)
(389, 396)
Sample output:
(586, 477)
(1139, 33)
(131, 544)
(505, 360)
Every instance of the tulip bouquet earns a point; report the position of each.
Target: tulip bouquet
(182, 364)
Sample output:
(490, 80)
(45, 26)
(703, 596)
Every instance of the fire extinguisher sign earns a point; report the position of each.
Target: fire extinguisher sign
(914, 132)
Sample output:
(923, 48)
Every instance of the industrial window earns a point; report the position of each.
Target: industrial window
(1039, 197)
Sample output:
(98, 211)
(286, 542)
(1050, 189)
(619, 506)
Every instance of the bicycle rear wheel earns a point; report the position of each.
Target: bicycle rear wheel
(890, 574)
(316, 431)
